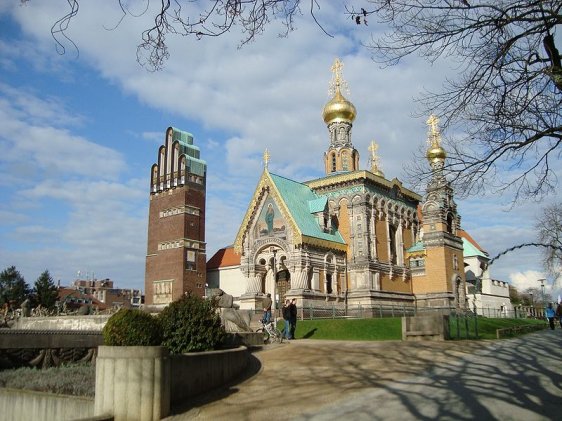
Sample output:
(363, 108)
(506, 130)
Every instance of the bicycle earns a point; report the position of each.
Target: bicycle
(270, 332)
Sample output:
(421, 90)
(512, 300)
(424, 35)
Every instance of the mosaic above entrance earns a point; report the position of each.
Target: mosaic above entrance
(270, 222)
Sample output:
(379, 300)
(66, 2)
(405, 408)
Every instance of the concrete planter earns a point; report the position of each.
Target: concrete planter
(133, 382)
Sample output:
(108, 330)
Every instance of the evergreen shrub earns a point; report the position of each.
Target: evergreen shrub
(132, 328)
(191, 324)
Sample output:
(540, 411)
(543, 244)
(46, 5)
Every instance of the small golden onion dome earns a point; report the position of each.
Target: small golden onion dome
(436, 153)
(339, 109)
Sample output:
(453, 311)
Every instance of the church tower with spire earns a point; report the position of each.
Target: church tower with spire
(339, 114)
(444, 282)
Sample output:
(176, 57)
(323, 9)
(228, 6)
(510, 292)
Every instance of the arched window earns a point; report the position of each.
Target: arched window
(392, 246)
(333, 162)
(450, 223)
(329, 288)
(344, 161)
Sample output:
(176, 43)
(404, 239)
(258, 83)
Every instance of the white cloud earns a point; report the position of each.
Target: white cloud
(269, 94)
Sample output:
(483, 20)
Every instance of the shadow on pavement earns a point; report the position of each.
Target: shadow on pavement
(254, 367)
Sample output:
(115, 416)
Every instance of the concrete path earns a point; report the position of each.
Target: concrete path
(516, 379)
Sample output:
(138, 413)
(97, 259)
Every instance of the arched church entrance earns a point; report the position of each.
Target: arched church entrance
(283, 284)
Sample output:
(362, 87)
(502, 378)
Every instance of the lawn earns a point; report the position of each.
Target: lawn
(350, 329)
(390, 328)
(487, 326)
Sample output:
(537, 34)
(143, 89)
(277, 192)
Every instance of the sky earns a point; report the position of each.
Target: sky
(80, 131)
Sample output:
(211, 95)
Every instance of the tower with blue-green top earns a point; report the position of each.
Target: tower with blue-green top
(176, 257)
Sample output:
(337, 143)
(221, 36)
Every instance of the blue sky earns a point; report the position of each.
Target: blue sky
(79, 133)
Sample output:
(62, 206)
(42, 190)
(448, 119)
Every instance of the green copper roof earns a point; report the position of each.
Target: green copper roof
(184, 138)
(298, 199)
(416, 247)
(317, 205)
(192, 153)
(470, 250)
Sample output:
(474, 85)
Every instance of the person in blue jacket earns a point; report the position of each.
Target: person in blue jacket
(549, 313)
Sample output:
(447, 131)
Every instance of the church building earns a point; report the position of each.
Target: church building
(351, 236)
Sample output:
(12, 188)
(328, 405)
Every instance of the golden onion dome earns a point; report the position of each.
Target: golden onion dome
(339, 109)
(435, 153)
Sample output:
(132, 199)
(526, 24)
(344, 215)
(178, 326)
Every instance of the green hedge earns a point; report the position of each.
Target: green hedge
(132, 328)
(191, 324)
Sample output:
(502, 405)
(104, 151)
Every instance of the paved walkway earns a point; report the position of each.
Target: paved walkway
(516, 379)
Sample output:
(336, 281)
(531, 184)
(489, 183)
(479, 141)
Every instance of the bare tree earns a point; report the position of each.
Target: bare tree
(191, 18)
(502, 110)
(549, 231)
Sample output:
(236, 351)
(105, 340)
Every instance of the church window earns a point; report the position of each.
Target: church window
(450, 223)
(417, 263)
(328, 283)
(333, 162)
(392, 239)
(345, 161)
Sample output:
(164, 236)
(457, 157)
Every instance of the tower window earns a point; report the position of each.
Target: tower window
(333, 162)
(345, 161)
(450, 223)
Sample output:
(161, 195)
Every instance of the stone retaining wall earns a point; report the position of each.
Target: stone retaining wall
(31, 405)
(74, 322)
(199, 372)
(137, 383)
(433, 327)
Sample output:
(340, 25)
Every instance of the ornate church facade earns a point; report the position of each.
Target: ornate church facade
(351, 236)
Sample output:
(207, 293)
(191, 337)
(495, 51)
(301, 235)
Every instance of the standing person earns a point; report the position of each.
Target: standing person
(559, 313)
(293, 317)
(267, 309)
(549, 313)
(287, 317)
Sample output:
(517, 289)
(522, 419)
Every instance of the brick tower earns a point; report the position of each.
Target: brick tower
(175, 258)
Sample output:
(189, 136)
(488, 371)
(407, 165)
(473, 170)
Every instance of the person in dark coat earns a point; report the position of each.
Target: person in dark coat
(287, 316)
(267, 302)
(293, 317)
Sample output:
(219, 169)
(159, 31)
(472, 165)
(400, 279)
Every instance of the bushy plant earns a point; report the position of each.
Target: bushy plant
(72, 379)
(191, 324)
(132, 328)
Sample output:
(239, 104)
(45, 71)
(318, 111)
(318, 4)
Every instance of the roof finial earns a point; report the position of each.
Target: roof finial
(374, 159)
(266, 157)
(434, 137)
(435, 152)
(337, 83)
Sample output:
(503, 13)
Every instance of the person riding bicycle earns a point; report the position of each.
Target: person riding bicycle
(267, 309)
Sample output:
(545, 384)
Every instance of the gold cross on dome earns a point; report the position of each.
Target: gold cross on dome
(337, 83)
(336, 70)
(266, 157)
(432, 122)
(373, 148)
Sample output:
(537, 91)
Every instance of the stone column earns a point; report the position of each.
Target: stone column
(299, 279)
(253, 284)
(133, 382)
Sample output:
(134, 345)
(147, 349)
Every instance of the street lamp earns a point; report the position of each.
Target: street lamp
(274, 304)
(542, 289)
